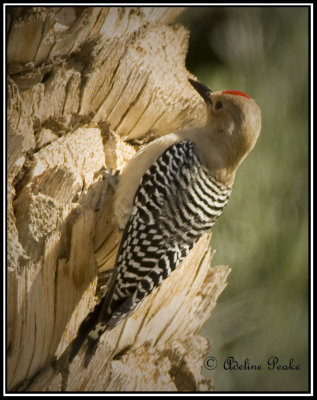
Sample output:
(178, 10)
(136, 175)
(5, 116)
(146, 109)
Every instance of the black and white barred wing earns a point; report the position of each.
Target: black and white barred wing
(175, 204)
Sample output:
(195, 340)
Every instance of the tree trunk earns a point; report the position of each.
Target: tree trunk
(87, 87)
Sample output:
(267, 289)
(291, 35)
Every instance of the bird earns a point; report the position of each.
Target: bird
(168, 196)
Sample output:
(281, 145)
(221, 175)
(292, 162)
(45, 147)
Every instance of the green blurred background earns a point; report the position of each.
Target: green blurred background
(263, 232)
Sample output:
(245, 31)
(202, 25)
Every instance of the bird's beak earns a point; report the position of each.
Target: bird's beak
(203, 90)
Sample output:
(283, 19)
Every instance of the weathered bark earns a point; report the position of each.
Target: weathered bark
(82, 83)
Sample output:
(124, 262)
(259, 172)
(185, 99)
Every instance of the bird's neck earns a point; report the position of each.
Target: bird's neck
(224, 173)
(214, 155)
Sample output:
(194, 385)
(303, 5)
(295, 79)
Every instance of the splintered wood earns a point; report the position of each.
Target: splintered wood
(81, 83)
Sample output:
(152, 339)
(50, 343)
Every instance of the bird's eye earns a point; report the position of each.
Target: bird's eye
(218, 105)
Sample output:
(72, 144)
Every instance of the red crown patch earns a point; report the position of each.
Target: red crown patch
(237, 92)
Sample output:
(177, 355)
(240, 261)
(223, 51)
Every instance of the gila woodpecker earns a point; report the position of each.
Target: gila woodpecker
(170, 194)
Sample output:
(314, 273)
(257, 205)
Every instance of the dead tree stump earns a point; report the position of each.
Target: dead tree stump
(86, 88)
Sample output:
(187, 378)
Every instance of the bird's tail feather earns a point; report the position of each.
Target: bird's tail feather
(91, 349)
(87, 326)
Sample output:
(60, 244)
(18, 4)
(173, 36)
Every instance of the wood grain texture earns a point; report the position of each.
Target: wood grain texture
(82, 83)
(36, 34)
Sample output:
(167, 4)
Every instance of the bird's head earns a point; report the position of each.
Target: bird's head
(233, 126)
